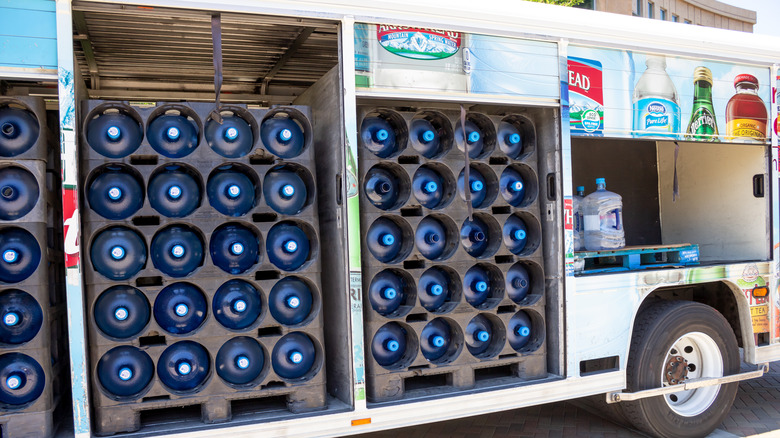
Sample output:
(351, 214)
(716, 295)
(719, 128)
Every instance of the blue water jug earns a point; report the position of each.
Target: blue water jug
(177, 250)
(114, 134)
(20, 255)
(288, 246)
(19, 131)
(384, 240)
(231, 191)
(379, 136)
(431, 238)
(512, 187)
(21, 380)
(479, 335)
(237, 304)
(435, 339)
(21, 315)
(477, 186)
(19, 192)
(118, 253)
(475, 237)
(389, 345)
(515, 234)
(183, 366)
(518, 283)
(428, 188)
(290, 301)
(510, 140)
(125, 371)
(519, 331)
(293, 356)
(240, 361)
(284, 190)
(386, 292)
(425, 138)
(174, 192)
(433, 289)
(382, 188)
(282, 136)
(115, 193)
(474, 139)
(234, 248)
(476, 286)
(231, 139)
(121, 312)
(180, 308)
(173, 135)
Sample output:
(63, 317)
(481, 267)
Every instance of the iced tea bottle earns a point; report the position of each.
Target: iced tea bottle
(746, 115)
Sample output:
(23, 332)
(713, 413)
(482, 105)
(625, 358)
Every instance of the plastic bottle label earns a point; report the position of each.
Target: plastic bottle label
(656, 117)
(746, 128)
(586, 96)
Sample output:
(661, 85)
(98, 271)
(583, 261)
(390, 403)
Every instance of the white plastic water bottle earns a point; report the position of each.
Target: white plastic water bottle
(579, 227)
(603, 219)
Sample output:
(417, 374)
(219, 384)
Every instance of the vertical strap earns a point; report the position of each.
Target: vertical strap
(467, 169)
(216, 39)
(675, 183)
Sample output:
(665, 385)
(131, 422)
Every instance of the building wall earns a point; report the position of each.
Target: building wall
(711, 13)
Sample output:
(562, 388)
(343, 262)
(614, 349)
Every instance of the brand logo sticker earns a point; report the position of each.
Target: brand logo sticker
(418, 43)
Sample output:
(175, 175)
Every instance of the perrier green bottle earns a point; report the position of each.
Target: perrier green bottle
(703, 126)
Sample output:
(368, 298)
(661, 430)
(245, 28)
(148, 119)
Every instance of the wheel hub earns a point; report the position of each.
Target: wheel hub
(676, 370)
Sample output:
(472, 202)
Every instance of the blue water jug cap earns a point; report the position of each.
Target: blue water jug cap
(296, 356)
(580, 188)
(11, 319)
(518, 235)
(436, 289)
(430, 187)
(382, 135)
(388, 239)
(481, 286)
(285, 135)
(231, 134)
(513, 138)
(125, 374)
(114, 193)
(438, 341)
(517, 186)
(287, 190)
(522, 330)
(13, 381)
(392, 345)
(600, 181)
(121, 313)
(293, 302)
(117, 253)
(233, 191)
(174, 192)
(178, 251)
(10, 256)
(242, 362)
(473, 136)
(389, 293)
(476, 186)
(113, 132)
(184, 368)
(173, 133)
(181, 309)
(239, 306)
(237, 248)
(428, 135)
(482, 335)
(290, 246)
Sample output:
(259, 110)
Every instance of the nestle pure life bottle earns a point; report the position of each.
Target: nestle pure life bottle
(656, 102)
(579, 227)
(603, 219)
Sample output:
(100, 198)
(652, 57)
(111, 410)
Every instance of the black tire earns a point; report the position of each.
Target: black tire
(656, 330)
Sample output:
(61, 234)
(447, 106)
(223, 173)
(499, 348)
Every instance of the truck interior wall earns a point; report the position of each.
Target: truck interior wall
(630, 169)
(328, 124)
(716, 208)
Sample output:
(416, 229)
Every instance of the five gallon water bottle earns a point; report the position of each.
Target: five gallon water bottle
(125, 371)
(424, 138)
(290, 301)
(510, 140)
(382, 188)
(433, 289)
(475, 237)
(180, 308)
(389, 344)
(234, 248)
(282, 136)
(435, 339)
(21, 379)
(428, 187)
(603, 219)
(479, 335)
(117, 253)
(21, 315)
(378, 136)
(518, 283)
(231, 190)
(174, 192)
(173, 135)
(232, 138)
(579, 226)
(18, 193)
(240, 361)
(476, 286)
(474, 140)
(431, 238)
(512, 187)
(386, 292)
(114, 134)
(236, 304)
(515, 234)
(19, 131)
(384, 240)
(519, 331)
(293, 356)
(122, 311)
(477, 186)
(115, 193)
(177, 250)
(284, 190)
(287, 246)
(183, 366)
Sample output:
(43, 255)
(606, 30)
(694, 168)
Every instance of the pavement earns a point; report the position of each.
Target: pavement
(755, 413)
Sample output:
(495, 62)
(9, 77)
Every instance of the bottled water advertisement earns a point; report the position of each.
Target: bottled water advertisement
(620, 93)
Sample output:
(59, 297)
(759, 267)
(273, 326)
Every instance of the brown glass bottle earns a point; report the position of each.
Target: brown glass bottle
(746, 115)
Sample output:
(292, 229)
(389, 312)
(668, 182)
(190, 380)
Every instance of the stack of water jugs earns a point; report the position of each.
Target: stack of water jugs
(454, 300)
(33, 358)
(203, 271)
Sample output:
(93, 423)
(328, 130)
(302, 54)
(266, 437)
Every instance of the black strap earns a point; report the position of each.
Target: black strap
(675, 183)
(216, 39)
(467, 169)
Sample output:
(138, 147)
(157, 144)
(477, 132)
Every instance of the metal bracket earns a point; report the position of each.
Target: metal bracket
(617, 397)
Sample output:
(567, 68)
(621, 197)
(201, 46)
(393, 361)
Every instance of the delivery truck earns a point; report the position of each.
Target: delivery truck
(308, 218)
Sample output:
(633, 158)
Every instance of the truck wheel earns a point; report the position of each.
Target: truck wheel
(675, 341)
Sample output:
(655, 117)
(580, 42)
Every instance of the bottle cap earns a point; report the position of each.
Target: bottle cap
(293, 302)
(121, 313)
(233, 191)
(287, 190)
(431, 186)
(184, 368)
(173, 133)
(389, 293)
(483, 335)
(702, 74)
(473, 137)
(242, 362)
(239, 306)
(125, 374)
(114, 193)
(181, 309)
(428, 136)
(237, 248)
(436, 289)
(113, 132)
(231, 134)
(174, 192)
(11, 319)
(656, 61)
(296, 357)
(745, 78)
(13, 382)
(513, 138)
(601, 181)
(481, 286)
(381, 135)
(392, 345)
(285, 135)
(522, 330)
(438, 341)
(580, 188)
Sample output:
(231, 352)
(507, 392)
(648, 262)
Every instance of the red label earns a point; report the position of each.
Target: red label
(585, 79)
(70, 214)
(568, 214)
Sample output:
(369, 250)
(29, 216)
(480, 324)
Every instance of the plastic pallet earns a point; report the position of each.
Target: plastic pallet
(635, 258)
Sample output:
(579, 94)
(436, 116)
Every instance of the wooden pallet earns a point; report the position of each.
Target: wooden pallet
(633, 258)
